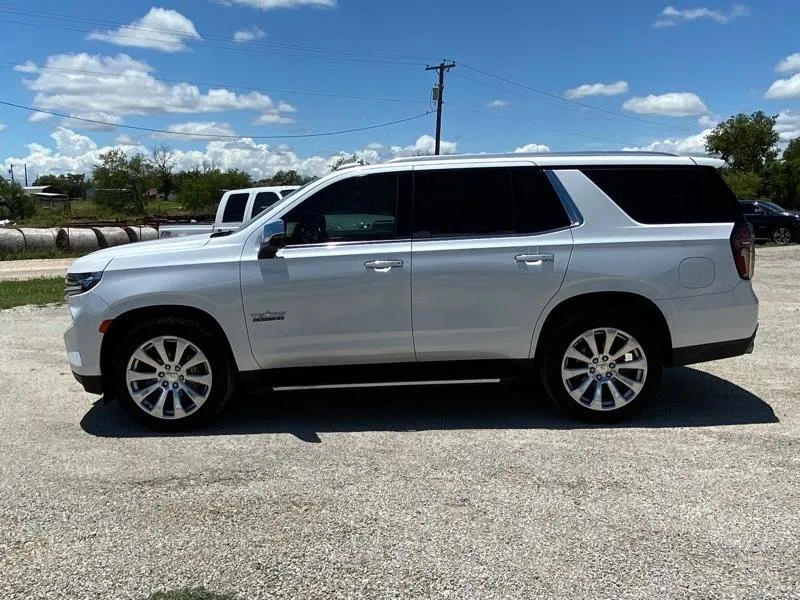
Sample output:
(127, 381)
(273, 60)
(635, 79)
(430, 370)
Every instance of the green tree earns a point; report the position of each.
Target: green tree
(201, 190)
(745, 142)
(17, 204)
(117, 171)
(744, 184)
(163, 159)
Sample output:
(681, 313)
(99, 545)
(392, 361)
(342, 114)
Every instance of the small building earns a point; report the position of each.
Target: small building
(48, 197)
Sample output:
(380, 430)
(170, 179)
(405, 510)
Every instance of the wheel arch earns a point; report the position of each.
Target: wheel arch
(125, 322)
(628, 302)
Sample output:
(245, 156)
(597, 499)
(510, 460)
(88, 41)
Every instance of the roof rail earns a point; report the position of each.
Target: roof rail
(525, 155)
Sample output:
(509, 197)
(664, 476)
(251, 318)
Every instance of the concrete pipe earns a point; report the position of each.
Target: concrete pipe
(11, 240)
(38, 239)
(111, 236)
(77, 240)
(133, 231)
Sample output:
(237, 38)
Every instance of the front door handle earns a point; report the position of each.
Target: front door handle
(383, 266)
(534, 260)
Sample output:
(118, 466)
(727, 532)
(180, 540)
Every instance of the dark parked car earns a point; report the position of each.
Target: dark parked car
(770, 224)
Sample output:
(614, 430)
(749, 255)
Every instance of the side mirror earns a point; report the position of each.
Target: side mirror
(273, 239)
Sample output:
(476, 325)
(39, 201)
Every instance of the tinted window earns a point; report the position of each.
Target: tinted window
(669, 195)
(356, 209)
(234, 208)
(485, 201)
(263, 201)
(286, 192)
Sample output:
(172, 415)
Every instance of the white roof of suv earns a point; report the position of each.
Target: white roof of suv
(552, 159)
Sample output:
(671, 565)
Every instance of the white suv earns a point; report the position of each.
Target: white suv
(591, 270)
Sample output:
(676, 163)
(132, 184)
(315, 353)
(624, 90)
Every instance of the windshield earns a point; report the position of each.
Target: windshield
(287, 198)
(774, 206)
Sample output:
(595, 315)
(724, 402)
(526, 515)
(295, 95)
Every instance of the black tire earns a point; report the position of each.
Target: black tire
(782, 235)
(218, 361)
(562, 337)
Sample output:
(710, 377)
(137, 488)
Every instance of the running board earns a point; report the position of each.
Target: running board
(380, 384)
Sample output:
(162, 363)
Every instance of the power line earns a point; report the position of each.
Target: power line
(215, 84)
(576, 102)
(180, 33)
(578, 110)
(512, 120)
(216, 136)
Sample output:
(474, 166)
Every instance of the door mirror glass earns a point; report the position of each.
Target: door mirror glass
(273, 239)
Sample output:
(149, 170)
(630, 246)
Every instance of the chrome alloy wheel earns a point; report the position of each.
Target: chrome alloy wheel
(604, 369)
(168, 377)
(782, 235)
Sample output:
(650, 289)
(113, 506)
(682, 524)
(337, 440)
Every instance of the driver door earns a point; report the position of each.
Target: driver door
(340, 291)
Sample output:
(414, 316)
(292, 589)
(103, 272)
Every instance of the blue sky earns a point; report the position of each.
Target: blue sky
(616, 74)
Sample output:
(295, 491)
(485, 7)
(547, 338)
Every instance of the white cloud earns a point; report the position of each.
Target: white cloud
(2, 126)
(197, 130)
(788, 125)
(425, 145)
(498, 103)
(272, 118)
(108, 88)
(532, 148)
(672, 104)
(784, 88)
(248, 34)
(27, 67)
(694, 144)
(38, 117)
(597, 89)
(77, 153)
(671, 16)
(707, 121)
(790, 64)
(160, 29)
(271, 4)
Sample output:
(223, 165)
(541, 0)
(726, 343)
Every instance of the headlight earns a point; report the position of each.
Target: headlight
(78, 283)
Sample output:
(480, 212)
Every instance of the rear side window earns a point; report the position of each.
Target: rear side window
(286, 192)
(658, 196)
(484, 202)
(263, 201)
(234, 208)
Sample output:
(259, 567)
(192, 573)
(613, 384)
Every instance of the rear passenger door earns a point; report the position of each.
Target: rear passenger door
(490, 248)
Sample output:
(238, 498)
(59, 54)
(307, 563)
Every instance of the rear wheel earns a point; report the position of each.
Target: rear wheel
(782, 235)
(603, 368)
(171, 375)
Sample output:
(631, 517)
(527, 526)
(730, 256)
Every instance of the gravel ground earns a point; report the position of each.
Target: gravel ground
(16, 270)
(465, 492)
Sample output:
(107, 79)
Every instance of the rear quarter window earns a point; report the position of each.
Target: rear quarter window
(660, 196)
(234, 208)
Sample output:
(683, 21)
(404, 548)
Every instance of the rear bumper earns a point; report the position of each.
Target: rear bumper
(690, 355)
(91, 383)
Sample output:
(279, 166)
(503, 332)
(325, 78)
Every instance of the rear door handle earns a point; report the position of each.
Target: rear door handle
(383, 265)
(534, 260)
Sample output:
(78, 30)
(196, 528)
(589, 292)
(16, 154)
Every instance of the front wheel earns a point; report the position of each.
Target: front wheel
(603, 368)
(171, 375)
(782, 235)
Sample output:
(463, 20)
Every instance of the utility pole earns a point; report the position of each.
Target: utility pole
(26, 174)
(443, 67)
(11, 170)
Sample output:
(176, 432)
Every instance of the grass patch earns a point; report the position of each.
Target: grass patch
(46, 290)
(32, 254)
(190, 594)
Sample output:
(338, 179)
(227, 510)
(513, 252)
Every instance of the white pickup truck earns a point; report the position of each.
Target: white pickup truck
(235, 207)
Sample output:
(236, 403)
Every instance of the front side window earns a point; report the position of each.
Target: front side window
(485, 201)
(263, 201)
(356, 209)
(234, 208)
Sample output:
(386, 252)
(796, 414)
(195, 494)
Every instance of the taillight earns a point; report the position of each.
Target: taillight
(743, 246)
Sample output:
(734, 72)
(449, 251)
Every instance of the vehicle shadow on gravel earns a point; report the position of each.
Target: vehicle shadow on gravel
(688, 398)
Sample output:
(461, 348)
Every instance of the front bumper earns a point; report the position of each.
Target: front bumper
(715, 351)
